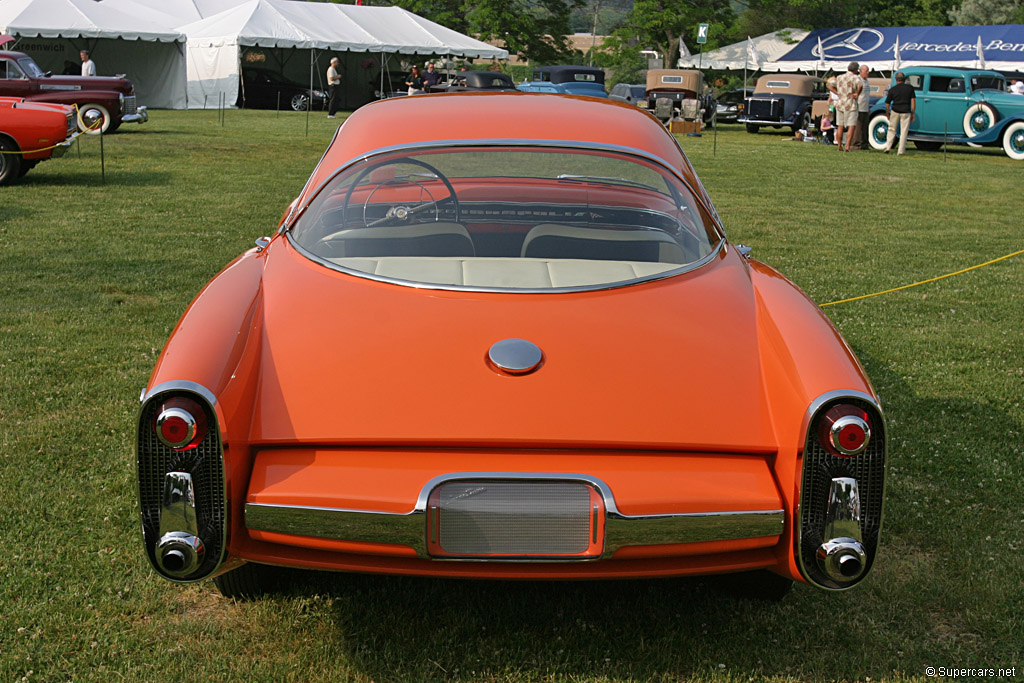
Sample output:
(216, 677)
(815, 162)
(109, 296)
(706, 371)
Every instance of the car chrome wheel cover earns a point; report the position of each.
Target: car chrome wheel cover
(1013, 141)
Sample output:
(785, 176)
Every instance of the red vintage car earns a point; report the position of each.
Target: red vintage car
(510, 341)
(103, 102)
(31, 132)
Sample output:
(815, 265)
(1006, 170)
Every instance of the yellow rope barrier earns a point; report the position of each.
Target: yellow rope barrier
(924, 282)
(70, 139)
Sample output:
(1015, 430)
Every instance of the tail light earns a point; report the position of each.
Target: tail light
(845, 431)
(180, 424)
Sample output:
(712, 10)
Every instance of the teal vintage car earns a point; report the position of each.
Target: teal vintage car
(966, 106)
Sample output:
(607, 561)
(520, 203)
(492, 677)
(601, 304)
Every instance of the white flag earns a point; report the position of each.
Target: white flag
(981, 55)
(752, 56)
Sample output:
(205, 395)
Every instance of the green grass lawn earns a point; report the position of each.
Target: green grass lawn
(94, 276)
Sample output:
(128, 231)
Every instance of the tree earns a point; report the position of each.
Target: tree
(536, 30)
(662, 24)
(986, 12)
(623, 60)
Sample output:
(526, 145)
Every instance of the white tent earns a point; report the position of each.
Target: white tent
(766, 48)
(259, 31)
(182, 11)
(52, 32)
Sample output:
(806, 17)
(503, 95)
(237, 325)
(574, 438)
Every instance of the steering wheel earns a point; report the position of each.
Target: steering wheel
(403, 212)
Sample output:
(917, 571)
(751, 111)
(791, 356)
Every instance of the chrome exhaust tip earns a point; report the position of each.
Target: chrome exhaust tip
(179, 553)
(842, 559)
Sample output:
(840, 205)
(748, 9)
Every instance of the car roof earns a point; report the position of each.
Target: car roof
(504, 117)
(948, 71)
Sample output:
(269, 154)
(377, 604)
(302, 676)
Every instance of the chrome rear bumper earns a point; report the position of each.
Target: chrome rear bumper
(411, 529)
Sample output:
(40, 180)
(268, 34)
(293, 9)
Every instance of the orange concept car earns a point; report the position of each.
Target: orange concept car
(503, 335)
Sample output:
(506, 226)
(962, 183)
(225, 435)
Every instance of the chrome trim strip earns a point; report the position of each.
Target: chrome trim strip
(410, 529)
(693, 527)
(685, 268)
(830, 396)
(360, 526)
(179, 385)
(842, 519)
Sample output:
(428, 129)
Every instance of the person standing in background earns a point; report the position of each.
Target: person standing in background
(848, 87)
(88, 66)
(431, 77)
(901, 108)
(863, 107)
(333, 88)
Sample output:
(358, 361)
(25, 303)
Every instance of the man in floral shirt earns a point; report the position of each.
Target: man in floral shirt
(848, 88)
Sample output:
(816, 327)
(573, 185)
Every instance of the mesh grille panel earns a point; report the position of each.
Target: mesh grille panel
(130, 105)
(204, 463)
(820, 467)
(765, 109)
(514, 518)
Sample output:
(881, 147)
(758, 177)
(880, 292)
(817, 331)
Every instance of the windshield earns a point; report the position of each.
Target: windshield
(988, 83)
(506, 217)
(31, 68)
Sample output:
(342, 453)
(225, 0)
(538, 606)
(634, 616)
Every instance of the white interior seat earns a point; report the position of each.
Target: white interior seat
(553, 241)
(438, 239)
(514, 273)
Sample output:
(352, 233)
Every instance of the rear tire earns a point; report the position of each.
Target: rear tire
(753, 128)
(300, 102)
(10, 162)
(248, 581)
(1013, 140)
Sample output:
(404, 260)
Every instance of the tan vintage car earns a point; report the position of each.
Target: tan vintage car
(684, 89)
(783, 100)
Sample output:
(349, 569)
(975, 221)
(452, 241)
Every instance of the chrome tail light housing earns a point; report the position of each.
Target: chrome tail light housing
(181, 481)
(842, 490)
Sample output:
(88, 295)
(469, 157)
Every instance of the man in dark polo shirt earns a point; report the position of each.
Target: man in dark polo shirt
(900, 106)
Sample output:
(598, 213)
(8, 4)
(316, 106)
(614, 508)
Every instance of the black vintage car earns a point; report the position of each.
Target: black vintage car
(634, 93)
(470, 81)
(732, 104)
(783, 100)
(567, 78)
(266, 89)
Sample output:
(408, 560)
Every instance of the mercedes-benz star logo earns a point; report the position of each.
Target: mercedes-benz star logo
(848, 44)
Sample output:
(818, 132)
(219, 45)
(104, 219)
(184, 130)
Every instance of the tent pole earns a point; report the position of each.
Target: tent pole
(309, 104)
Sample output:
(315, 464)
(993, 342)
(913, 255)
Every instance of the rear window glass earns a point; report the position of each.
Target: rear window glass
(516, 217)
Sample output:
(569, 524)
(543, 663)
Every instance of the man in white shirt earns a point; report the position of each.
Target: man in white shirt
(333, 88)
(88, 66)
